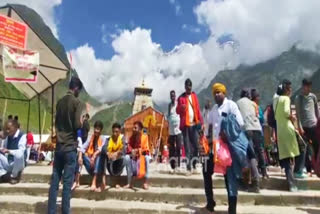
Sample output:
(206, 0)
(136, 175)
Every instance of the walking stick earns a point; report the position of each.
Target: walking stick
(159, 140)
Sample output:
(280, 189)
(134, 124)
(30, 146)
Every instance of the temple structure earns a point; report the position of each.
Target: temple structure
(154, 122)
(142, 98)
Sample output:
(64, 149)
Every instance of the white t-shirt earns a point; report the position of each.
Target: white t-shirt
(191, 113)
(205, 116)
(174, 120)
(215, 115)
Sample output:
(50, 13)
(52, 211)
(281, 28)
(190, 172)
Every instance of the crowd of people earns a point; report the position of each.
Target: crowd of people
(235, 126)
(241, 125)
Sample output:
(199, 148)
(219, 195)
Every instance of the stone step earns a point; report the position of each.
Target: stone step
(276, 181)
(38, 205)
(172, 195)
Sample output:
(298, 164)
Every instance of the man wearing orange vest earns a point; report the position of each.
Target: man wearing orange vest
(138, 154)
(90, 154)
(191, 123)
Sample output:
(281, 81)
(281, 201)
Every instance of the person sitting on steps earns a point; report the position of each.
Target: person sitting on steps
(90, 154)
(138, 145)
(12, 155)
(113, 153)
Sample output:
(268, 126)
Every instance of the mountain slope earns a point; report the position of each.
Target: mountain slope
(294, 65)
(117, 113)
(315, 85)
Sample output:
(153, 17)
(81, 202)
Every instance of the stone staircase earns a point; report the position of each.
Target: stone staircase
(167, 194)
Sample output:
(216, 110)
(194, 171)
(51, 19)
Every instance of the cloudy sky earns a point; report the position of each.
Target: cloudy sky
(117, 43)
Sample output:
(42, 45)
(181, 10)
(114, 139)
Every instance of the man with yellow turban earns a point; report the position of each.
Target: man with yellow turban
(219, 87)
(223, 106)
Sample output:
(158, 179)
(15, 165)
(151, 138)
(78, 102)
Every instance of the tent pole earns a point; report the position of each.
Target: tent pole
(39, 119)
(159, 140)
(28, 116)
(52, 109)
(4, 110)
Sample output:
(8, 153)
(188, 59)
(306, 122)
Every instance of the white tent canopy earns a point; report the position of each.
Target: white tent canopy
(54, 65)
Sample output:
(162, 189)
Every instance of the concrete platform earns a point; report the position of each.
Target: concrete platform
(159, 177)
(172, 195)
(38, 205)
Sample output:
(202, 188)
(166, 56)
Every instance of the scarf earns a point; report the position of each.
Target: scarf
(115, 146)
(91, 148)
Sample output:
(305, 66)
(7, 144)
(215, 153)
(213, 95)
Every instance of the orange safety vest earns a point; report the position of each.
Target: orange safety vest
(194, 106)
(90, 150)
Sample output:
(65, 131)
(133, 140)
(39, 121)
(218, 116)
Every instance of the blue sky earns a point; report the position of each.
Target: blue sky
(144, 33)
(171, 22)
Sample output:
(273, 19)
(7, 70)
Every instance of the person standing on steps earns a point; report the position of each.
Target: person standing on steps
(205, 115)
(217, 115)
(287, 141)
(85, 127)
(191, 123)
(307, 110)
(253, 132)
(68, 121)
(30, 143)
(255, 97)
(175, 136)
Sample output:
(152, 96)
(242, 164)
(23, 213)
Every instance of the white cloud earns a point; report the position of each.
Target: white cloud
(263, 28)
(104, 37)
(111, 32)
(191, 28)
(177, 6)
(138, 57)
(45, 8)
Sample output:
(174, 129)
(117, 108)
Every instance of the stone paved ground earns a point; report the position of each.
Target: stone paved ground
(168, 194)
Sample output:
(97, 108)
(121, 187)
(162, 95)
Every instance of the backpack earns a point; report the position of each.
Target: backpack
(271, 117)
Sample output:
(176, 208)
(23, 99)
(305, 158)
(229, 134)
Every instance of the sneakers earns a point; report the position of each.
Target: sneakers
(205, 210)
(171, 171)
(5, 178)
(188, 173)
(254, 186)
(293, 189)
(196, 171)
(14, 181)
(243, 186)
(300, 175)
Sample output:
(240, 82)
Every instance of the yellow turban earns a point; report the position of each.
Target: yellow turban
(219, 87)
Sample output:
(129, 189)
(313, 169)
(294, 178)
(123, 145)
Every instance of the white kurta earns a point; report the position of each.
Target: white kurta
(18, 163)
(215, 115)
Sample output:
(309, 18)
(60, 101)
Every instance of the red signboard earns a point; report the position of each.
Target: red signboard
(13, 33)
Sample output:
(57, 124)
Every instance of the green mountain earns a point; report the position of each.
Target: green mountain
(316, 80)
(293, 65)
(117, 113)
(315, 86)
(20, 108)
